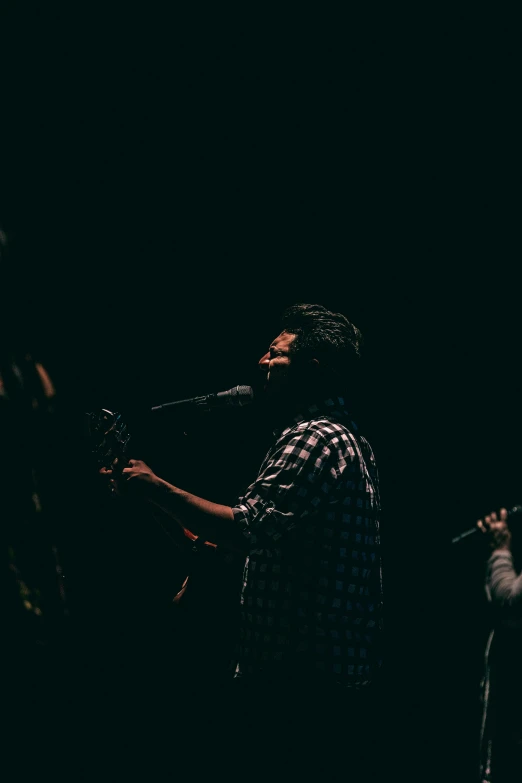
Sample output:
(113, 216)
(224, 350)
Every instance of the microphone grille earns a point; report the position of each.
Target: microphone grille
(242, 394)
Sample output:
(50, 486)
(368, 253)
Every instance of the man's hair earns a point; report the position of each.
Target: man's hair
(326, 336)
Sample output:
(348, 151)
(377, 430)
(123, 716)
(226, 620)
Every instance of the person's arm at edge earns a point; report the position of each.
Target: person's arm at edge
(505, 585)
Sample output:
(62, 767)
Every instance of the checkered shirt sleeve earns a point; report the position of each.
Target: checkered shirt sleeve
(297, 477)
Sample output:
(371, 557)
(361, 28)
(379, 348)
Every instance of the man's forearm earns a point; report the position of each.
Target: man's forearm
(212, 521)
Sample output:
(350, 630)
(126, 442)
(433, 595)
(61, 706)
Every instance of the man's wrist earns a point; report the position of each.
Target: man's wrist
(503, 544)
(502, 550)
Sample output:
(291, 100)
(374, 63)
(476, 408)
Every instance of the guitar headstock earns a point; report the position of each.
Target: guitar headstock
(109, 437)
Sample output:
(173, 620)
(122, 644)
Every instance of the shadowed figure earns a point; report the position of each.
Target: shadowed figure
(501, 687)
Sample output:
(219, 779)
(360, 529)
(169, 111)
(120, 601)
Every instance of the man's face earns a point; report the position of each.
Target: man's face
(276, 364)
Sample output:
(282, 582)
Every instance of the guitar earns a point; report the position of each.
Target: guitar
(109, 438)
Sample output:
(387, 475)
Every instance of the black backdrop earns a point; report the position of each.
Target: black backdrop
(165, 202)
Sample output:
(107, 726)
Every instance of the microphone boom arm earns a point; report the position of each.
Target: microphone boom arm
(199, 402)
(237, 396)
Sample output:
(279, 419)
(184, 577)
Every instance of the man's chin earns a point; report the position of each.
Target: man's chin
(276, 396)
(267, 395)
(261, 389)
(270, 391)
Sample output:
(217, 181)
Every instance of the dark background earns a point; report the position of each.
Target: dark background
(168, 187)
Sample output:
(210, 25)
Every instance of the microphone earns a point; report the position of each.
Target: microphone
(516, 510)
(237, 396)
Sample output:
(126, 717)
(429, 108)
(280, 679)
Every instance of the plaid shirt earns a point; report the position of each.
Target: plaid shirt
(312, 587)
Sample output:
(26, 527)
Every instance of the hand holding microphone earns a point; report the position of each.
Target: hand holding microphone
(492, 523)
(497, 529)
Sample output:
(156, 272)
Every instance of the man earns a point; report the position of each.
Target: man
(501, 729)
(308, 527)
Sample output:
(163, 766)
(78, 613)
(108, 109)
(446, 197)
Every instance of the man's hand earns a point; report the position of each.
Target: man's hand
(136, 477)
(496, 529)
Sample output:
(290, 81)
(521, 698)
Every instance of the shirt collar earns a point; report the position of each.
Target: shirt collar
(334, 407)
